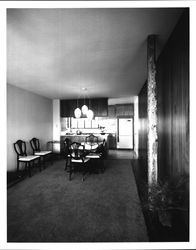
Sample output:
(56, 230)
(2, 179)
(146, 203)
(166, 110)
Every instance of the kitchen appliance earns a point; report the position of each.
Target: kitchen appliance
(125, 133)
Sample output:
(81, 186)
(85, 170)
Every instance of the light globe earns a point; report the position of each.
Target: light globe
(90, 114)
(77, 113)
(84, 109)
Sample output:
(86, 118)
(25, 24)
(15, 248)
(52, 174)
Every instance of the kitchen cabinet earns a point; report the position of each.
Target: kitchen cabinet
(98, 105)
(67, 108)
(124, 110)
(112, 141)
(120, 110)
(111, 111)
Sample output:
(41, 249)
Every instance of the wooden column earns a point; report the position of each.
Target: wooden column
(152, 146)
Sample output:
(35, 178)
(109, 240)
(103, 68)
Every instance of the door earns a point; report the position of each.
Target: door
(125, 133)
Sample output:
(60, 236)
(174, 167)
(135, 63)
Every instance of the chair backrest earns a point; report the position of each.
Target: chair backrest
(35, 145)
(66, 146)
(104, 143)
(20, 148)
(91, 139)
(76, 151)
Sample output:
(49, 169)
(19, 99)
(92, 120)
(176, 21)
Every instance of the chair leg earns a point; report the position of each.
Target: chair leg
(66, 164)
(18, 175)
(102, 165)
(29, 168)
(84, 172)
(40, 165)
(42, 161)
(26, 167)
(70, 171)
(51, 158)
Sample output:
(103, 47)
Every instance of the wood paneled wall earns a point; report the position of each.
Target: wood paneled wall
(142, 102)
(173, 105)
(173, 102)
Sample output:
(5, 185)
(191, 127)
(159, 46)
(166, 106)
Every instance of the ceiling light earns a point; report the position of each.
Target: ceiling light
(90, 114)
(77, 113)
(85, 111)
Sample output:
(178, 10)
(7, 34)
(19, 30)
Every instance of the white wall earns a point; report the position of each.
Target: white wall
(28, 115)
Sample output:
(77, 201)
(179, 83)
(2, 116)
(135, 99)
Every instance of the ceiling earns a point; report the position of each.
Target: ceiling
(57, 52)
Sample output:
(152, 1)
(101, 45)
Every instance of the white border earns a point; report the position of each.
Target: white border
(95, 4)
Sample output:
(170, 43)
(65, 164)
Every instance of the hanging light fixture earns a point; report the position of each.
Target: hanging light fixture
(77, 111)
(90, 113)
(85, 111)
(84, 107)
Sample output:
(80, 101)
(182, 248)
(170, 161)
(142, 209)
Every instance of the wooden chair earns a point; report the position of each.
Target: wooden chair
(97, 157)
(22, 157)
(92, 142)
(35, 145)
(77, 158)
(66, 152)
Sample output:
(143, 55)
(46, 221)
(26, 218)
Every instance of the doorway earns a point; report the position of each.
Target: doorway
(125, 133)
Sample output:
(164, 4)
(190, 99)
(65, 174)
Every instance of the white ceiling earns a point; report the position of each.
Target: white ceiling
(56, 52)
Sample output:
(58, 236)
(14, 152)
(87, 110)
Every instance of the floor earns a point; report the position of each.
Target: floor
(103, 208)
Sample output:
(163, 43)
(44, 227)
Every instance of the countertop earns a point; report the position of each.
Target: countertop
(97, 134)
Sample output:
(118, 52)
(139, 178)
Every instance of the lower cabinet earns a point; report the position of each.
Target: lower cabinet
(112, 141)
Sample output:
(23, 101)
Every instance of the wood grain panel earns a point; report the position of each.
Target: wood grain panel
(173, 102)
(111, 111)
(173, 105)
(143, 130)
(124, 110)
(98, 105)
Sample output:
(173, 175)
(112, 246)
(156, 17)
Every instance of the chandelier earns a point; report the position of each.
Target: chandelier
(85, 111)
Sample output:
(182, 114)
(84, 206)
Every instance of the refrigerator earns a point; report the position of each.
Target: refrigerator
(125, 133)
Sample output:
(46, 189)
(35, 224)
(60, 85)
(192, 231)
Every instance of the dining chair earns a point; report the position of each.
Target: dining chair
(91, 142)
(97, 158)
(78, 158)
(35, 145)
(22, 157)
(66, 152)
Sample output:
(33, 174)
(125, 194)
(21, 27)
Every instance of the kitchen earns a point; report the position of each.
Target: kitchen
(106, 123)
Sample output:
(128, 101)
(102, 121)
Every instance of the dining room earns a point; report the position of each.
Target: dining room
(97, 121)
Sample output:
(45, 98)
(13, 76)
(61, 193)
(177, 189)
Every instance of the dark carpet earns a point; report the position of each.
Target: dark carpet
(50, 208)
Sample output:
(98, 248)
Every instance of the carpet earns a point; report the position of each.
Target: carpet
(50, 208)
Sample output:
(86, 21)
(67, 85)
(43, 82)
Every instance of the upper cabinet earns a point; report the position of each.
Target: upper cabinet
(111, 111)
(124, 110)
(120, 110)
(98, 105)
(67, 108)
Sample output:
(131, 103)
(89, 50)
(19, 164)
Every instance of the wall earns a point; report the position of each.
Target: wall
(136, 126)
(142, 104)
(173, 102)
(28, 115)
(173, 105)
